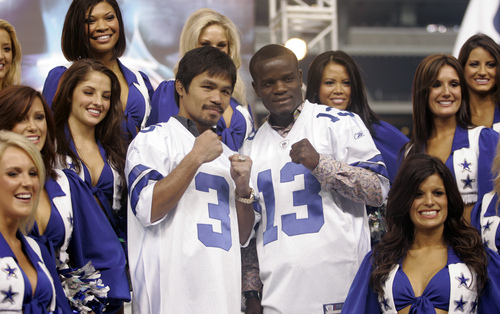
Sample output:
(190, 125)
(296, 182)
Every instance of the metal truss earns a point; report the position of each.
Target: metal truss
(315, 23)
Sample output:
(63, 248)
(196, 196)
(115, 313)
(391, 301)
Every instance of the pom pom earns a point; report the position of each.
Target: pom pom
(84, 289)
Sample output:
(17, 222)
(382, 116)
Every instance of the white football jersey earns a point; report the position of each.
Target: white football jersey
(310, 241)
(188, 261)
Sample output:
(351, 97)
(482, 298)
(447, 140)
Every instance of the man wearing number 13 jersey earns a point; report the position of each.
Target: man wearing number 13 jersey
(314, 169)
(184, 223)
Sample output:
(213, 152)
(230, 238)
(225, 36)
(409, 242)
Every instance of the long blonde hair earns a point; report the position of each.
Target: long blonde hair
(11, 139)
(12, 77)
(194, 26)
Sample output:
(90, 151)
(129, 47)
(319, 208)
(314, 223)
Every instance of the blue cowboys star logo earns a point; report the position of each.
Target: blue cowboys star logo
(468, 182)
(486, 242)
(10, 271)
(72, 166)
(487, 225)
(460, 304)
(9, 295)
(463, 280)
(473, 306)
(385, 303)
(465, 165)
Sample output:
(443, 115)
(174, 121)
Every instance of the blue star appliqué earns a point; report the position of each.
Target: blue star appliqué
(460, 304)
(72, 166)
(10, 271)
(487, 225)
(385, 303)
(465, 165)
(473, 306)
(468, 182)
(9, 295)
(463, 280)
(486, 242)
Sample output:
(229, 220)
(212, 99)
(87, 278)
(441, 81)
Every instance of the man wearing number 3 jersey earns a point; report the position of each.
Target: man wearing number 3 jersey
(314, 169)
(190, 203)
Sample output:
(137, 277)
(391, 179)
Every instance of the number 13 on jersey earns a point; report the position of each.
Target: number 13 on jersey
(309, 196)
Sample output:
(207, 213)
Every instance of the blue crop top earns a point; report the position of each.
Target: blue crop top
(436, 294)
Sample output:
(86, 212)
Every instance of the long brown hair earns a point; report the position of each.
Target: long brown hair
(488, 44)
(425, 77)
(108, 132)
(458, 234)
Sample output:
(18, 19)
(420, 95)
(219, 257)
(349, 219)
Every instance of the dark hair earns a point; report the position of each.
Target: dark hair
(488, 44)
(269, 52)
(458, 234)
(425, 78)
(358, 102)
(204, 59)
(108, 132)
(75, 41)
(15, 103)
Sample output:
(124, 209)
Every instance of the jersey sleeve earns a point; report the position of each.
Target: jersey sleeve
(352, 141)
(145, 165)
(163, 104)
(51, 84)
(354, 145)
(488, 140)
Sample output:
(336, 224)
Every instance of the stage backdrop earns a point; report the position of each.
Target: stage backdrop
(152, 27)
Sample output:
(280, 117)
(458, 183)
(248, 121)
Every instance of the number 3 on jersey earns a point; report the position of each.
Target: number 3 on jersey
(220, 211)
(308, 196)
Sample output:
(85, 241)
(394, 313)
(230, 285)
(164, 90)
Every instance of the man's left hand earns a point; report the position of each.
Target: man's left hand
(240, 172)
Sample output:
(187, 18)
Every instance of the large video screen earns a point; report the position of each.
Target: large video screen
(152, 28)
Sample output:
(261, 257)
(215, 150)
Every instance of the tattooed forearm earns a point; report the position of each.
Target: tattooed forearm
(355, 183)
(250, 268)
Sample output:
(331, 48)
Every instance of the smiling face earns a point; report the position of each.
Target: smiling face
(103, 28)
(33, 125)
(480, 71)
(278, 83)
(20, 184)
(335, 88)
(206, 100)
(430, 206)
(445, 96)
(91, 100)
(214, 35)
(5, 53)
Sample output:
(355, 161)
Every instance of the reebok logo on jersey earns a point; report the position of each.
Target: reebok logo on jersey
(358, 135)
(332, 308)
